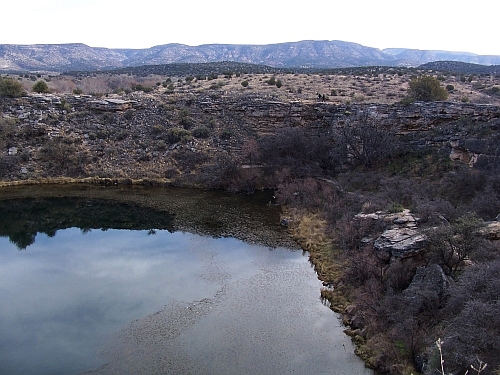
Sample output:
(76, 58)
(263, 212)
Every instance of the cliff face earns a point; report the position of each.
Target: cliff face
(144, 135)
(57, 57)
(305, 54)
(467, 132)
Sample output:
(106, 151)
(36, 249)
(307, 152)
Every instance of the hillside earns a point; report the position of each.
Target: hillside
(304, 54)
(461, 67)
(415, 57)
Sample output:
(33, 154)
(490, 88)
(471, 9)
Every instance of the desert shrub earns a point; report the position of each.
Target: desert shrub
(102, 133)
(226, 134)
(201, 132)
(171, 172)
(308, 193)
(188, 161)
(364, 271)
(157, 129)
(8, 165)
(461, 185)
(143, 88)
(62, 157)
(450, 87)
(399, 274)
(452, 245)
(244, 83)
(487, 203)
(396, 193)
(41, 87)
(295, 148)
(175, 135)
(363, 140)
(184, 117)
(348, 232)
(426, 88)
(430, 209)
(120, 135)
(473, 314)
(161, 145)
(250, 150)
(279, 83)
(395, 207)
(223, 173)
(271, 81)
(406, 317)
(10, 88)
(8, 131)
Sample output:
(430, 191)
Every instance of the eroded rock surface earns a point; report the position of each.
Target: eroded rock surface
(400, 242)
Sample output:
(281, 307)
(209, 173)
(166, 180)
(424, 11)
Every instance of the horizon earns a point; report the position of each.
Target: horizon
(117, 24)
(243, 44)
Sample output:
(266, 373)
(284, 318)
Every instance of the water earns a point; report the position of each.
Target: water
(162, 301)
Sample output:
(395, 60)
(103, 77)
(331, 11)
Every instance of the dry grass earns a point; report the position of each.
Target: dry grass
(384, 88)
(310, 232)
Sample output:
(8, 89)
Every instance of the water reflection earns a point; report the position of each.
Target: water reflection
(28, 210)
(22, 219)
(63, 297)
(129, 302)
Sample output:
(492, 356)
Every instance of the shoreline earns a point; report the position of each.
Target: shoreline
(315, 242)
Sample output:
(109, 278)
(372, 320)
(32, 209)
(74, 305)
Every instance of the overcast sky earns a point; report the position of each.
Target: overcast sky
(425, 24)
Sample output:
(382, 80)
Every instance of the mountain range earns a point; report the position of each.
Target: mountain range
(304, 54)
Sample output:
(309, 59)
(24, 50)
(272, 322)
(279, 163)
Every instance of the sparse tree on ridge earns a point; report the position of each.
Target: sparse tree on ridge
(41, 87)
(11, 88)
(426, 89)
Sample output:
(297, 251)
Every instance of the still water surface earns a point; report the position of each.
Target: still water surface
(162, 302)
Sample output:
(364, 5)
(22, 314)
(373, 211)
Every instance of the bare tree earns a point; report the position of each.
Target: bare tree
(363, 139)
(452, 245)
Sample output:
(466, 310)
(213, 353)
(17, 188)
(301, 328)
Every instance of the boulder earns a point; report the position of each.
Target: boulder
(403, 218)
(400, 242)
(427, 279)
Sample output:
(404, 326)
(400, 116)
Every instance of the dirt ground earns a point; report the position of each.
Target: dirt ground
(369, 85)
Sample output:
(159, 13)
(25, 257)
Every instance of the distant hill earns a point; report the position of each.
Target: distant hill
(461, 67)
(415, 57)
(192, 69)
(304, 54)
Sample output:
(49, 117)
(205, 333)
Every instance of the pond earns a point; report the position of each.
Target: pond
(158, 281)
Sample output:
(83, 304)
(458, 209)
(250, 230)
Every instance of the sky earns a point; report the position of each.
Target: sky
(424, 24)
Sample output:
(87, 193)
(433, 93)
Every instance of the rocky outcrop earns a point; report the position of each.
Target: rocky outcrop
(478, 153)
(399, 243)
(402, 239)
(127, 132)
(429, 279)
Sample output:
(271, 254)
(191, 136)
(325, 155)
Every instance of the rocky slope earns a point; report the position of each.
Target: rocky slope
(156, 136)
